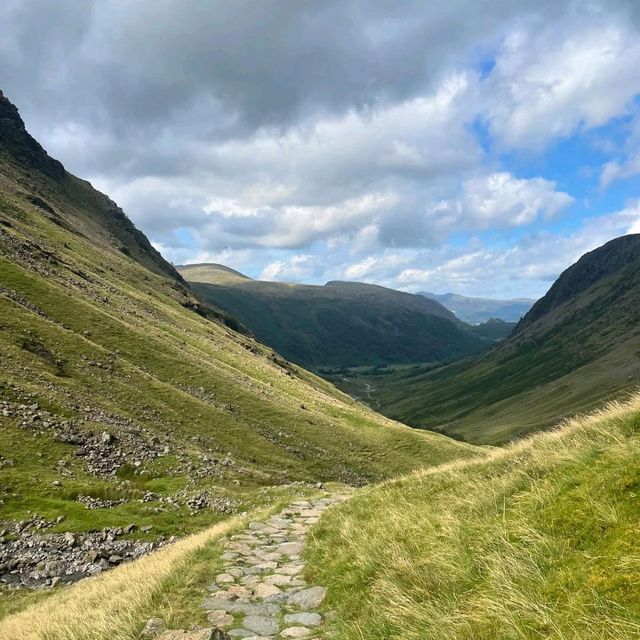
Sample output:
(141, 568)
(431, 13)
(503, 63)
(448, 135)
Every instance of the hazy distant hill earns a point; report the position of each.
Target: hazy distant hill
(476, 310)
(577, 346)
(340, 323)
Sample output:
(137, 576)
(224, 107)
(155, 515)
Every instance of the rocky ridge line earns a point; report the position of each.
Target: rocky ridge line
(15, 139)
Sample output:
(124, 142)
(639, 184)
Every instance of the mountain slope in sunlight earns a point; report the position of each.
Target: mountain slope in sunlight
(120, 388)
(536, 541)
(578, 346)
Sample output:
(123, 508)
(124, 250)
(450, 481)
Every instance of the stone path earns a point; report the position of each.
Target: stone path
(262, 584)
(261, 593)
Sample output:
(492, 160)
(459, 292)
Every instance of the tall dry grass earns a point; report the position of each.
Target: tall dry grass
(538, 541)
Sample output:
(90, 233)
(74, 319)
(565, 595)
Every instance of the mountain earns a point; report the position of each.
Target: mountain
(534, 540)
(126, 400)
(577, 347)
(477, 310)
(338, 324)
(130, 411)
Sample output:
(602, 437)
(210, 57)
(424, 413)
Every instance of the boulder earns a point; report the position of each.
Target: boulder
(152, 628)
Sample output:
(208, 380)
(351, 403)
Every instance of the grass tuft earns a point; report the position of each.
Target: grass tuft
(536, 541)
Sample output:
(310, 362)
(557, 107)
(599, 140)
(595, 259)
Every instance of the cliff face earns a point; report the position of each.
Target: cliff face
(17, 142)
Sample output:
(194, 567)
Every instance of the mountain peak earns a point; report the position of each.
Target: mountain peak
(616, 254)
(211, 273)
(16, 140)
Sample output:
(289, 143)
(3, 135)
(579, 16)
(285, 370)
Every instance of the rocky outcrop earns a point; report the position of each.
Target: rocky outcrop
(102, 452)
(31, 557)
(620, 253)
(15, 140)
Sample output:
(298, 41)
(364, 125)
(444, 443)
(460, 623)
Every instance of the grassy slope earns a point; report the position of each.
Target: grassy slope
(339, 324)
(493, 329)
(537, 541)
(86, 326)
(570, 358)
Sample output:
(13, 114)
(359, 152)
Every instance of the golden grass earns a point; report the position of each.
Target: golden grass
(539, 540)
(114, 605)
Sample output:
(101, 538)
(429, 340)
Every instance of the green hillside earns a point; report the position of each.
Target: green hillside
(126, 400)
(577, 347)
(537, 541)
(340, 323)
(131, 411)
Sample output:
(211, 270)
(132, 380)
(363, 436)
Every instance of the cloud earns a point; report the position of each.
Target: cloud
(331, 177)
(267, 62)
(299, 268)
(500, 199)
(616, 170)
(627, 164)
(333, 138)
(547, 84)
(530, 264)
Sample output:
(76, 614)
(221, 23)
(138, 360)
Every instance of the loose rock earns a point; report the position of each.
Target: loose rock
(308, 598)
(152, 629)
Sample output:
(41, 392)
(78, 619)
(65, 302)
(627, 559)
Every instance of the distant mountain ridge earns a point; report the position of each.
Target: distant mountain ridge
(576, 347)
(340, 323)
(477, 310)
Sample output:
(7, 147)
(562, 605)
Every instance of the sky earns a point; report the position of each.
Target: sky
(472, 146)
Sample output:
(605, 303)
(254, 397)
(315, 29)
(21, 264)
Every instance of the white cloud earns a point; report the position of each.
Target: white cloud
(300, 225)
(526, 267)
(333, 157)
(379, 267)
(299, 268)
(617, 170)
(500, 199)
(628, 162)
(545, 85)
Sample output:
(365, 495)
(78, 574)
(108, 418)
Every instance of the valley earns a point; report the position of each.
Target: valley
(132, 411)
(168, 462)
(577, 348)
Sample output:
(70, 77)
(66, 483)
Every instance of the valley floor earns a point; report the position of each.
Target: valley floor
(537, 540)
